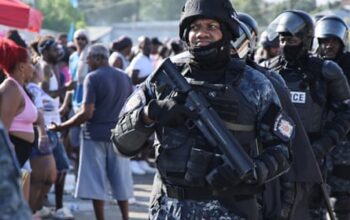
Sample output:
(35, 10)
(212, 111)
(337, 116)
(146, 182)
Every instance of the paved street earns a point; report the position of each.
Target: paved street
(83, 210)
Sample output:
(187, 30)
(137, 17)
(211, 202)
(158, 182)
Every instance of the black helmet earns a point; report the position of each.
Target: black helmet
(243, 44)
(249, 21)
(265, 42)
(295, 22)
(220, 10)
(332, 26)
(252, 25)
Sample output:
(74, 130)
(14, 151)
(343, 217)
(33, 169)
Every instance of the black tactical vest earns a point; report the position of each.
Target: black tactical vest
(344, 63)
(311, 111)
(175, 145)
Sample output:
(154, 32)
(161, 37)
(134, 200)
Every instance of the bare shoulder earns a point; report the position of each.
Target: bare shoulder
(9, 90)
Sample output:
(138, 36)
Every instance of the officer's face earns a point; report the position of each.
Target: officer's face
(329, 47)
(289, 41)
(203, 32)
(274, 51)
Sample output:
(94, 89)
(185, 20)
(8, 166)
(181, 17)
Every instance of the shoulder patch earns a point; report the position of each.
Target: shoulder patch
(284, 127)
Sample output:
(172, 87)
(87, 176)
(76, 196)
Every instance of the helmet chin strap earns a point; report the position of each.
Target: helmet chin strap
(212, 56)
(216, 54)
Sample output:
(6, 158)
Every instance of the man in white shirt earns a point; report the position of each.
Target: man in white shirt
(141, 66)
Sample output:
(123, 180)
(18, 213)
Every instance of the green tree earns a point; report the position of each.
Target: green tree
(59, 14)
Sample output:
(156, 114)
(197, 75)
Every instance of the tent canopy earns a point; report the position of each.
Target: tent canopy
(17, 14)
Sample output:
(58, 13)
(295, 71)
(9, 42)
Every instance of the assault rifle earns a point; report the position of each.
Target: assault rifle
(208, 122)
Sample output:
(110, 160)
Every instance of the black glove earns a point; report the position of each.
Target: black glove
(197, 166)
(223, 176)
(169, 112)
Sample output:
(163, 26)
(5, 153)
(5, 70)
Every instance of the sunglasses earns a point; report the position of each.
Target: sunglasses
(81, 38)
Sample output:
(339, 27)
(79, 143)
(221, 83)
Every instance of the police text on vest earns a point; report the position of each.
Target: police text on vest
(298, 97)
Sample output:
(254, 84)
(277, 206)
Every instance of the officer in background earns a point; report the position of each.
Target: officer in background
(269, 50)
(192, 181)
(252, 25)
(13, 204)
(276, 203)
(331, 33)
(317, 87)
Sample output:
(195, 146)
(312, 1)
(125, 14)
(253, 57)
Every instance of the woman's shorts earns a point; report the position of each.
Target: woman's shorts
(53, 137)
(23, 149)
(60, 155)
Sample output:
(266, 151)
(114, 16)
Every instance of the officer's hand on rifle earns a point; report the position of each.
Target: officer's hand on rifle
(168, 112)
(224, 176)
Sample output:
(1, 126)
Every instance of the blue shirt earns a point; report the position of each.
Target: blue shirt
(78, 92)
(107, 88)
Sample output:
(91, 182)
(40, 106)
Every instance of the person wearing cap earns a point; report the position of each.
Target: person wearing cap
(105, 91)
(121, 51)
(51, 84)
(78, 66)
(332, 35)
(320, 92)
(78, 69)
(48, 49)
(193, 180)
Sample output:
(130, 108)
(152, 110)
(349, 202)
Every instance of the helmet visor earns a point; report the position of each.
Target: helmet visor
(331, 28)
(242, 44)
(287, 22)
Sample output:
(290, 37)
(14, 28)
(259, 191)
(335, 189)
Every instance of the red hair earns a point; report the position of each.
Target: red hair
(11, 54)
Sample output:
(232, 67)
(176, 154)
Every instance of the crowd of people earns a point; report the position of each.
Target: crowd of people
(279, 100)
(47, 101)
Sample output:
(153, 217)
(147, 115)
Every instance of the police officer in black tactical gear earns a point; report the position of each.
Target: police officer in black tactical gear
(193, 181)
(317, 87)
(269, 51)
(332, 35)
(275, 199)
(252, 25)
(12, 202)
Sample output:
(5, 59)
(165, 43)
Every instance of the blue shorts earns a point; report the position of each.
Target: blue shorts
(53, 137)
(60, 155)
